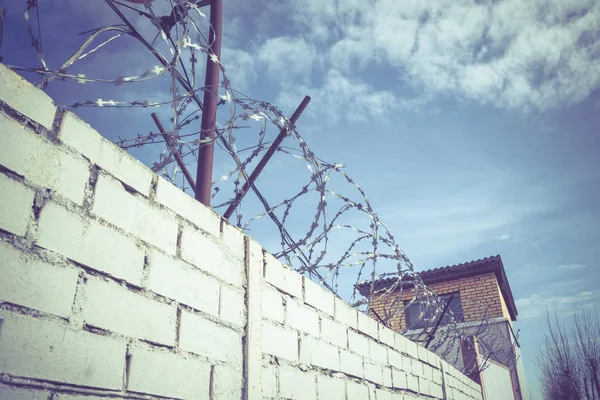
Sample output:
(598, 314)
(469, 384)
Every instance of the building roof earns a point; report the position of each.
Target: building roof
(458, 271)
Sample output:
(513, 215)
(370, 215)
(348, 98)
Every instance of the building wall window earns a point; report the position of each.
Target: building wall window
(424, 314)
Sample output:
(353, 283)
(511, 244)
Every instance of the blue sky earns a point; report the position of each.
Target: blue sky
(471, 125)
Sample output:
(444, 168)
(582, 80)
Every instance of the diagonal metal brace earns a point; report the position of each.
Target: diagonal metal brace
(263, 162)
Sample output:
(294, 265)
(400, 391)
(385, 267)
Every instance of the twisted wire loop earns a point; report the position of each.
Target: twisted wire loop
(327, 228)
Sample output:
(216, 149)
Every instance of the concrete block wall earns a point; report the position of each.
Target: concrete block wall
(115, 284)
(316, 346)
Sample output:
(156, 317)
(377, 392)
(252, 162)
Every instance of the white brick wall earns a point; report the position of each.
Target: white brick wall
(358, 343)
(227, 383)
(186, 206)
(351, 364)
(33, 347)
(331, 388)
(201, 336)
(36, 284)
(203, 252)
(17, 393)
(296, 384)
(279, 342)
(334, 332)
(90, 243)
(162, 373)
(16, 202)
(134, 215)
(316, 352)
(302, 318)
(182, 282)
(318, 297)
(282, 277)
(114, 308)
(345, 314)
(122, 317)
(21, 152)
(30, 101)
(367, 325)
(272, 304)
(356, 391)
(83, 138)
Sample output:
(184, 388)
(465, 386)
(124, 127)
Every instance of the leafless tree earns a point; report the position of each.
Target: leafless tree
(569, 359)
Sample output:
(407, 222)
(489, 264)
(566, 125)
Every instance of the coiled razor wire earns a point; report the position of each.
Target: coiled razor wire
(368, 252)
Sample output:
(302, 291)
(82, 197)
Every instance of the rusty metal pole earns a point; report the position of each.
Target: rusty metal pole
(209, 112)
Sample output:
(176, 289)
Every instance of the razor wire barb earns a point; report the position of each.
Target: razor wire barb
(368, 250)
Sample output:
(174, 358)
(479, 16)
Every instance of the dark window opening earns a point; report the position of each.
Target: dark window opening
(424, 314)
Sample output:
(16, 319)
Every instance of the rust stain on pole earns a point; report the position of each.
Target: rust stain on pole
(173, 150)
(209, 112)
(263, 162)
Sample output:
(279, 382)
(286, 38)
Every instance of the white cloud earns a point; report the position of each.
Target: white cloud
(524, 56)
(572, 267)
(288, 60)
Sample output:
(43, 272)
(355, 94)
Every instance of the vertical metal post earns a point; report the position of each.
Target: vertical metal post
(209, 112)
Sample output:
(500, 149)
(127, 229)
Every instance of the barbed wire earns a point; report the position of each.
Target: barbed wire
(342, 243)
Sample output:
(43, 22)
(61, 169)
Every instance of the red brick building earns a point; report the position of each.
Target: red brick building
(481, 302)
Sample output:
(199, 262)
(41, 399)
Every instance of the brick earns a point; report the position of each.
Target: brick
(227, 383)
(16, 202)
(373, 373)
(81, 136)
(334, 333)
(395, 359)
(201, 251)
(416, 367)
(283, 277)
(269, 382)
(345, 314)
(358, 343)
(318, 297)
(378, 353)
(189, 208)
(272, 304)
(400, 343)
(367, 325)
(399, 380)
(381, 394)
(424, 387)
(356, 391)
(233, 309)
(386, 336)
(116, 309)
(232, 238)
(302, 318)
(134, 214)
(201, 336)
(318, 353)
(411, 349)
(42, 162)
(90, 243)
(412, 382)
(19, 393)
(167, 374)
(35, 348)
(26, 98)
(387, 377)
(436, 390)
(422, 353)
(279, 342)
(331, 388)
(296, 384)
(32, 283)
(351, 364)
(182, 282)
